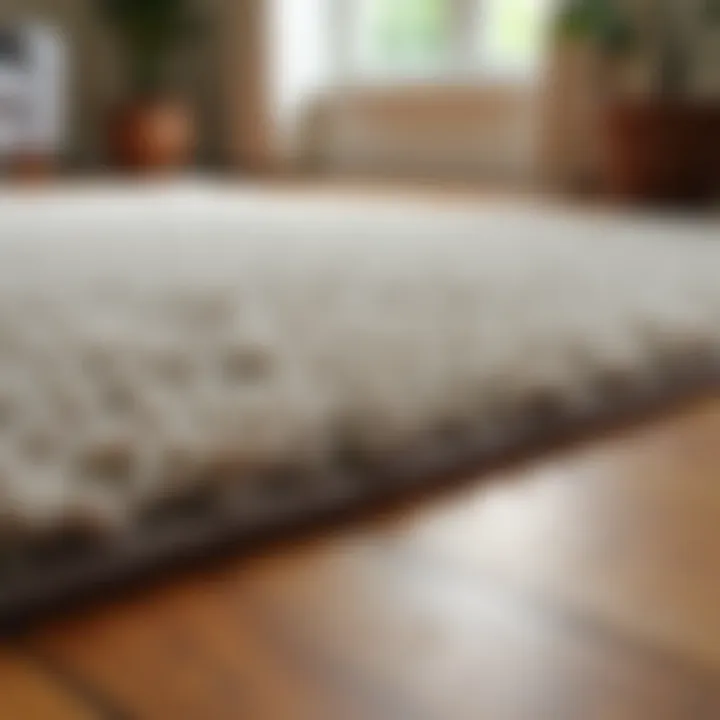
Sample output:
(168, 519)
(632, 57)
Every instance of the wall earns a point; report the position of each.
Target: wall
(251, 139)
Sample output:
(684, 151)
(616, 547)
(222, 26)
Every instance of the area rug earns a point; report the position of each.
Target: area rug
(180, 366)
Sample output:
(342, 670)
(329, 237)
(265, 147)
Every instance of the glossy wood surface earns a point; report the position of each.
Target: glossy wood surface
(583, 584)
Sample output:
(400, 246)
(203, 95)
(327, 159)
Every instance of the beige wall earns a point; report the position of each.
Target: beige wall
(246, 86)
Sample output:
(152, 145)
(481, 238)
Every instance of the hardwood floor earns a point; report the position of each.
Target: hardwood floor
(583, 585)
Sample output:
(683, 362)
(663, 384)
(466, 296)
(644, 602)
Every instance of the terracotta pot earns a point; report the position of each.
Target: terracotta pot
(663, 152)
(152, 136)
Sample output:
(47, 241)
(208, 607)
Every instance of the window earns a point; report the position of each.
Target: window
(511, 36)
(405, 37)
(445, 39)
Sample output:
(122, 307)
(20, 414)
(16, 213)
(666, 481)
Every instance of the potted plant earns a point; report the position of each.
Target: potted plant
(153, 128)
(663, 144)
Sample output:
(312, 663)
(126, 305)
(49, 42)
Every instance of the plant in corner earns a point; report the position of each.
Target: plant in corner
(153, 129)
(662, 144)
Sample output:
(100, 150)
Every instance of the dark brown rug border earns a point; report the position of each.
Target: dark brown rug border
(34, 596)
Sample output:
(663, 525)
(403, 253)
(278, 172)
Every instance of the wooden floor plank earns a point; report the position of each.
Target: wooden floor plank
(583, 585)
(355, 631)
(28, 692)
(189, 650)
(627, 530)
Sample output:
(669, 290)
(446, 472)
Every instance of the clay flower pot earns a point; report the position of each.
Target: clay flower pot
(663, 151)
(151, 135)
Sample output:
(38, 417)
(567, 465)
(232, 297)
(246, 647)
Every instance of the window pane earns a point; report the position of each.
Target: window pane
(512, 35)
(403, 37)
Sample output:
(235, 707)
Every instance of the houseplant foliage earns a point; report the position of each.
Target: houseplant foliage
(600, 21)
(617, 32)
(664, 144)
(152, 128)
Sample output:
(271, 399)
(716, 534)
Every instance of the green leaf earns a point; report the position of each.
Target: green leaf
(617, 35)
(600, 22)
(712, 10)
(150, 31)
(573, 20)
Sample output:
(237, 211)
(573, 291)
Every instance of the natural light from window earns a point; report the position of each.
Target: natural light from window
(512, 36)
(446, 39)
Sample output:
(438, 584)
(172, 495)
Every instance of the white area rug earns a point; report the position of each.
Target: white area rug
(196, 342)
